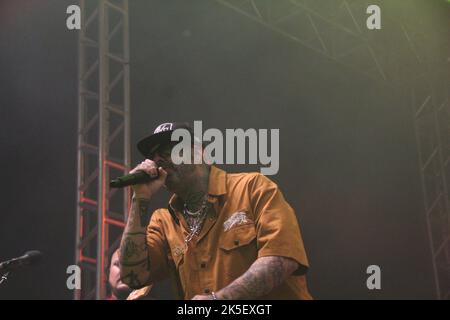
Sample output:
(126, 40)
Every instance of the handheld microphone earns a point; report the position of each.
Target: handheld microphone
(29, 258)
(132, 179)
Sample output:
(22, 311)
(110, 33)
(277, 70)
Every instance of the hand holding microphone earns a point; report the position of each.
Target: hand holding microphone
(151, 179)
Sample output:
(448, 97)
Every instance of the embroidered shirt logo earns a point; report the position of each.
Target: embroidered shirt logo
(236, 219)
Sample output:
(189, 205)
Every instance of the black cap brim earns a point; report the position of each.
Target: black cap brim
(148, 145)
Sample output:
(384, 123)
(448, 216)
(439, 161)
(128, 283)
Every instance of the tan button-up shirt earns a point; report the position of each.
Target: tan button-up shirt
(248, 218)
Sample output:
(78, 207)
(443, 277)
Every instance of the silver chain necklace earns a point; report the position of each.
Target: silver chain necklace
(195, 220)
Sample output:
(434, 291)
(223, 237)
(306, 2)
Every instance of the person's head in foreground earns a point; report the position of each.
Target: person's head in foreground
(119, 290)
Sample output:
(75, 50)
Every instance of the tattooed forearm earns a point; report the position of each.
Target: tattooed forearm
(144, 212)
(132, 280)
(131, 248)
(265, 274)
(134, 262)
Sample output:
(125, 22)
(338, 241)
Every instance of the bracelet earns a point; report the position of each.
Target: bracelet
(213, 295)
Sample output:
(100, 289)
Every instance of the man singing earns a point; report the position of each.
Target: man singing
(223, 236)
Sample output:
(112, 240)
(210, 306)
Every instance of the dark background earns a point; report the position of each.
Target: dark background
(348, 156)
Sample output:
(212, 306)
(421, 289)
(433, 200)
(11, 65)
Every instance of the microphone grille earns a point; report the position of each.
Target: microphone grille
(33, 256)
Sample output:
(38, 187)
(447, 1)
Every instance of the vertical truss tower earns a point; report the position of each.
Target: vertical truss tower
(103, 138)
(431, 116)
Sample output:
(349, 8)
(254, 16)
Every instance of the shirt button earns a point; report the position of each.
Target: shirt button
(236, 242)
(203, 265)
(206, 290)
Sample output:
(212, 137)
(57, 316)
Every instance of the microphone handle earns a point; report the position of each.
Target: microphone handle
(131, 179)
(11, 264)
(29, 258)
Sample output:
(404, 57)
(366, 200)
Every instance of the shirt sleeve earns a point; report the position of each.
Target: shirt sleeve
(277, 228)
(157, 248)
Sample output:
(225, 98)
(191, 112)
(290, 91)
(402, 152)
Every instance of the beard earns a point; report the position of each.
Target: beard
(179, 176)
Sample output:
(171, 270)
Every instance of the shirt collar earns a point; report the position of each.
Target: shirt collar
(217, 182)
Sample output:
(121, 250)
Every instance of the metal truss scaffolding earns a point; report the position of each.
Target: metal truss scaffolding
(103, 139)
(405, 55)
(336, 29)
(431, 116)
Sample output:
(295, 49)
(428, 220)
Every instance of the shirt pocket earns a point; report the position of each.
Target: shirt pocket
(237, 251)
(238, 237)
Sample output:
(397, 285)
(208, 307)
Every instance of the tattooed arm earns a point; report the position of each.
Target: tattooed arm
(134, 264)
(264, 275)
(134, 255)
